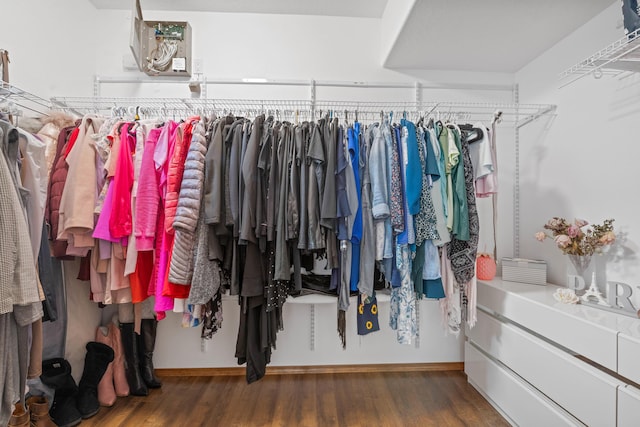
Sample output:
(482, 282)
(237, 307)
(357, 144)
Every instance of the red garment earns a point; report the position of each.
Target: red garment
(56, 186)
(169, 289)
(140, 279)
(120, 222)
(176, 171)
(72, 141)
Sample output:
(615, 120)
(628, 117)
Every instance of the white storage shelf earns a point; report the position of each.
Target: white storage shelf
(623, 55)
(523, 349)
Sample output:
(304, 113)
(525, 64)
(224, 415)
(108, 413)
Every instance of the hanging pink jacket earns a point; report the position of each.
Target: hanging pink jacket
(163, 152)
(102, 230)
(148, 196)
(121, 222)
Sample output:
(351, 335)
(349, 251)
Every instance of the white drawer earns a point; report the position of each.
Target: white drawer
(628, 406)
(589, 339)
(629, 358)
(522, 404)
(582, 390)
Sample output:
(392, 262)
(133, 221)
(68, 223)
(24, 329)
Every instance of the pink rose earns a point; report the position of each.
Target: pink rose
(581, 222)
(554, 223)
(608, 238)
(562, 240)
(574, 231)
(540, 236)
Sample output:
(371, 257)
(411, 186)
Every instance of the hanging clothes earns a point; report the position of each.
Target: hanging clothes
(76, 215)
(20, 291)
(192, 210)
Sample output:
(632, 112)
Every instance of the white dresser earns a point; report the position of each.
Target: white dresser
(543, 363)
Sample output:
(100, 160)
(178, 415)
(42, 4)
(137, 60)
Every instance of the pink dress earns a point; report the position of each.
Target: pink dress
(163, 152)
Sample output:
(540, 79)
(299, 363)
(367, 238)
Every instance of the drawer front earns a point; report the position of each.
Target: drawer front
(628, 406)
(522, 404)
(592, 341)
(582, 390)
(629, 357)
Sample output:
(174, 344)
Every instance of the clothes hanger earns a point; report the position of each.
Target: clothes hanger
(475, 134)
(497, 117)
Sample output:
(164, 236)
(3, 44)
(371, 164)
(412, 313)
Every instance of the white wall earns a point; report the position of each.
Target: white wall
(62, 48)
(584, 164)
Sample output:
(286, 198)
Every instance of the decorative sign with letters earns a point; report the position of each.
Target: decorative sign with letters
(619, 297)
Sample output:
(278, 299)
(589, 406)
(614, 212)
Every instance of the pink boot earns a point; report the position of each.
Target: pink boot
(119, 376)
(106, 392)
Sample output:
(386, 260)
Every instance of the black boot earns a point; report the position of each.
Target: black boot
(95, 365)
(56, 373)
(137, 386)
(147, 341)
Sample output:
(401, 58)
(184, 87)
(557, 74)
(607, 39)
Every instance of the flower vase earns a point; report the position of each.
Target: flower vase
(579, 273)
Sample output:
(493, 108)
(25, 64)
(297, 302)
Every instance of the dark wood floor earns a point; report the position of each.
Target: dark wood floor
(362, 399)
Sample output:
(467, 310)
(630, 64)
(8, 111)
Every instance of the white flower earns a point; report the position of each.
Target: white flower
(565, 296)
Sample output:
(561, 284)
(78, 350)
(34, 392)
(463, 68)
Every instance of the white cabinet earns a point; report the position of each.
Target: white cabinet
(629, 358)
(628, 406)
(572, 363)
(529, 306)
(521, 404)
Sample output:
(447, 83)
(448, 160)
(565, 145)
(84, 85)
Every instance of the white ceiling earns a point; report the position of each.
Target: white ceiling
(465, 35)
(487, 35)
(350, 8)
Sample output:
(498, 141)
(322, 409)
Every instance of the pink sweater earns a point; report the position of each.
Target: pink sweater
(148, 196)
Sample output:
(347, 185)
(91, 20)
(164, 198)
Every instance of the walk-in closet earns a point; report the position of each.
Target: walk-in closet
(319, 213)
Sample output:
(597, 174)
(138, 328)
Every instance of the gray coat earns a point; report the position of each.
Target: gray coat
(18, 282)
(189, 200)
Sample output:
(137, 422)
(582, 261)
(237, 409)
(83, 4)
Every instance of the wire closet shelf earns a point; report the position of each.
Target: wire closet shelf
(623, 55)
(515, 114)
(13, 100)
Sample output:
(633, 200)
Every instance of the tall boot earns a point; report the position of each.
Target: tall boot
(147, 344)
(119, 376)
(56, 373)
(106, 391)
(137, 386)
(39, 411)
(95, 365)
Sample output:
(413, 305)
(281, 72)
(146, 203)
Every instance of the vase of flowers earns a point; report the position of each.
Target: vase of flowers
(581, 267)
(580, 241)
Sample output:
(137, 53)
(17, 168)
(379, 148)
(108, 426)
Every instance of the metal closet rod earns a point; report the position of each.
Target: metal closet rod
(520, 114)
(472, 107)
(316, 83)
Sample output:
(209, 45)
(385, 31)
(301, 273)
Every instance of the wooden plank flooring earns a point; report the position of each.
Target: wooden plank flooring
(357, 399)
